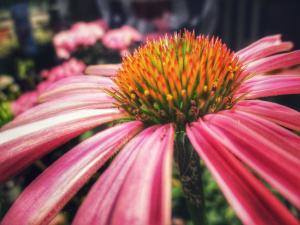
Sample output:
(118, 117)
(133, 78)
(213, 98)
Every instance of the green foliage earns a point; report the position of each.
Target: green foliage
(7, 46)
(5, 113)
(24, 67)
(217, 209)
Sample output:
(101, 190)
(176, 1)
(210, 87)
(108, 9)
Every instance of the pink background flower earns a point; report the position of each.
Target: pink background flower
(27, 100)
(80, 34)
(121, 38)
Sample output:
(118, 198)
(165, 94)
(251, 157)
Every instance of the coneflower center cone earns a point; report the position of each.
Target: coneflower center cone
(177, 79)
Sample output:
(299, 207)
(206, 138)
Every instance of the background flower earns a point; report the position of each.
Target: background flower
(80, 34)
(29, 99)
(121, 38)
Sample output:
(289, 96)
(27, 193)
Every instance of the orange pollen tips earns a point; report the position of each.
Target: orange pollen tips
(177, 79)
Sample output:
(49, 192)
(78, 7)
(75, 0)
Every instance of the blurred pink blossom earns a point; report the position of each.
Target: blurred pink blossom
(68, 68)
(29, 99)
(24, 102)
(72, 67)
(80, 34)
(121, 38)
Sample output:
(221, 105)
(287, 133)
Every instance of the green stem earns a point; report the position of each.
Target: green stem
(190, 172)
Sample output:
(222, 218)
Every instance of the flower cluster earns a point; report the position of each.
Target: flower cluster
(80, 34)
(88, 34)
(235, 136)
(121, 38)
(71, 67)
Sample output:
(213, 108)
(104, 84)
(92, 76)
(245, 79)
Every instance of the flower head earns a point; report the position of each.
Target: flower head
(177, 79)
(192, 83)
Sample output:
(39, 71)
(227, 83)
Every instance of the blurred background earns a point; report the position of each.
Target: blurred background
(42, 41)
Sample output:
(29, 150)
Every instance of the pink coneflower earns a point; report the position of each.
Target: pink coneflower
(180, 86)
(121, 38)
(80, 34)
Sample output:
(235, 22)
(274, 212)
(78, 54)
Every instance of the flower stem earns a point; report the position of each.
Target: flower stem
(190, 172)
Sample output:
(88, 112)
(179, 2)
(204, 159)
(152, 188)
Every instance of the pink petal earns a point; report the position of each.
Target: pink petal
(274, 62)
(259, 152)
(21, 145)
(272, 111)
(264, 51)
(157, 173)
(49, 192)
(265, 41)
(253, 203)
(97, 204)
(62, 105)
(263, 86)
(24, 102)
(103, 70)
(289, 71)
(76, 84)
(271, 133)
(135, 189)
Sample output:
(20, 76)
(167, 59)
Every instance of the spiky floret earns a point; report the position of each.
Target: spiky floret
(177, 79)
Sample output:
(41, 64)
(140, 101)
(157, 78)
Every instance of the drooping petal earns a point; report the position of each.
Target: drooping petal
(76, 84)
(97, 204)
(264, 86)
(259, 152)
(274, 62)
(156, 171)
(103, 70)
(49, 192)
(261, 52)
(135, 189)
(262, 48)
(289, 71)
(272, 111)
(269, 132)
(22, 145)
(62, 105)
(253, 203)
(265, 41)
